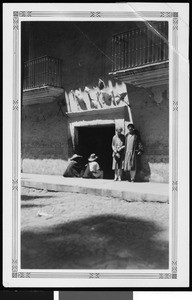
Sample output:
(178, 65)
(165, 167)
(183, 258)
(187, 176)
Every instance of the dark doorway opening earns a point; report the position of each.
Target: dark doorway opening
(97, 139)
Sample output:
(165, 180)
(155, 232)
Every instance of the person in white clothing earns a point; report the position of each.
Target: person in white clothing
(92, 168)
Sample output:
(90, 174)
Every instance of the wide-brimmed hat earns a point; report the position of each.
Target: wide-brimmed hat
(75, 156)
(92, 157)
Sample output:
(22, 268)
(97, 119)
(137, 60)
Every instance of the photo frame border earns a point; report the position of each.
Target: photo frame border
(18, 16)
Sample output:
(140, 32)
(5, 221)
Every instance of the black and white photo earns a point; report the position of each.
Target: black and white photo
(95, 148)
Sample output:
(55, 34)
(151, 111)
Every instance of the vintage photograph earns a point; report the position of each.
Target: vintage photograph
(95, 144)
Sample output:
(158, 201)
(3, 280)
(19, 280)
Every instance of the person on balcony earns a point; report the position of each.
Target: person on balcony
(75, 167)
(133, 150)
(118, 145)
(92, 168)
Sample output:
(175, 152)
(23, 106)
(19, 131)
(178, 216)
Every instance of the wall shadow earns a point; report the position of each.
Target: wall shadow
(98, 242)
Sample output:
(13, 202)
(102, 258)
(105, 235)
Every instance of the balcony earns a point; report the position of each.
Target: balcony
(42, 80)
(140, 56)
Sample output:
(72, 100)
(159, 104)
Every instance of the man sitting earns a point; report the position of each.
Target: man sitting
(75, 167)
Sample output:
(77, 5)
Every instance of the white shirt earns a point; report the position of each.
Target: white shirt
(94, 166)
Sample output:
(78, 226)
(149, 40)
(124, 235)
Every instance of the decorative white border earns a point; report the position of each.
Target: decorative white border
(105, 275)
(172, 273)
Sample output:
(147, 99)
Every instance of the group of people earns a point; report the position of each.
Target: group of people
(77, 169)
(126, 152)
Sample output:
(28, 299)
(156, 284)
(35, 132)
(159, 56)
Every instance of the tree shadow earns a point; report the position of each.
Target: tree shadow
(98, 242)
(26, 197)
(23, 206)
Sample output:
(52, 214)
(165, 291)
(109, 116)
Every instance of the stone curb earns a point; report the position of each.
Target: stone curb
(123, 195)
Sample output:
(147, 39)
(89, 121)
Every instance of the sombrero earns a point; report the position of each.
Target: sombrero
(75, 156)
(92, 157)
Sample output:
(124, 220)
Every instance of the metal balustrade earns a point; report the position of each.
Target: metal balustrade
(42, 71)
(141, 46)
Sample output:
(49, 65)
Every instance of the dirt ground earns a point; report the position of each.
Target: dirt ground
(75, 231)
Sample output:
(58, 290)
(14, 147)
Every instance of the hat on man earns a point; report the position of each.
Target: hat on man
(75, 156)
(92, 157)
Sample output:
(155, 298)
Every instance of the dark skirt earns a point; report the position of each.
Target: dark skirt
(74, 169)
(117, 162)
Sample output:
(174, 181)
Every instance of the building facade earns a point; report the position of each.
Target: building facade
(61, 65)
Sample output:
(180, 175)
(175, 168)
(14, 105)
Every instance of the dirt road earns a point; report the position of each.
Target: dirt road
(75, 231)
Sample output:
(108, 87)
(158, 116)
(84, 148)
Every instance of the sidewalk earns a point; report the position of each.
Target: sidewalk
(137, 191)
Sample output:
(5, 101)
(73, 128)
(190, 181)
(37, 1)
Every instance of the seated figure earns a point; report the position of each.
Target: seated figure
(75, 167)
(92, 168)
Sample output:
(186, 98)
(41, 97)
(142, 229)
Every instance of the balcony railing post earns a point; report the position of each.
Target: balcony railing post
(118, 53)
(129, 50)
(132, 49)
(122, 51)
(112, 48)
(159, 42)
(136, 48)
(126, 50)
(152, 46)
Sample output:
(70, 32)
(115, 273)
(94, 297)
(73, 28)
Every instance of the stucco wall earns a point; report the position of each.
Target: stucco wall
(44, 139)
(150, 110)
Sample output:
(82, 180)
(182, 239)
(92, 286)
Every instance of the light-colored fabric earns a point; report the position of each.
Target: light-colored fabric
(117, 143)
(130, 142)
(132, 174)
(93, 166)
(93, 171)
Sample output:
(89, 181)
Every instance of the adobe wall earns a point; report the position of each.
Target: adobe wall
(44, 139)
(150, 110)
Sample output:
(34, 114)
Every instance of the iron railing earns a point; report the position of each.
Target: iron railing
(141, 46)
(42, 71)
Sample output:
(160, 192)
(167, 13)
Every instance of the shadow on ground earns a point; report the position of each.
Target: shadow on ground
(99, 242)
(26, 197)
(31, 205)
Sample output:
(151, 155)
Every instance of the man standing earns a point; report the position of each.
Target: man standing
(133, 149)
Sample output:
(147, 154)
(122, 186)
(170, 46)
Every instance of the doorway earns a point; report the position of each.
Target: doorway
(98, 140)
